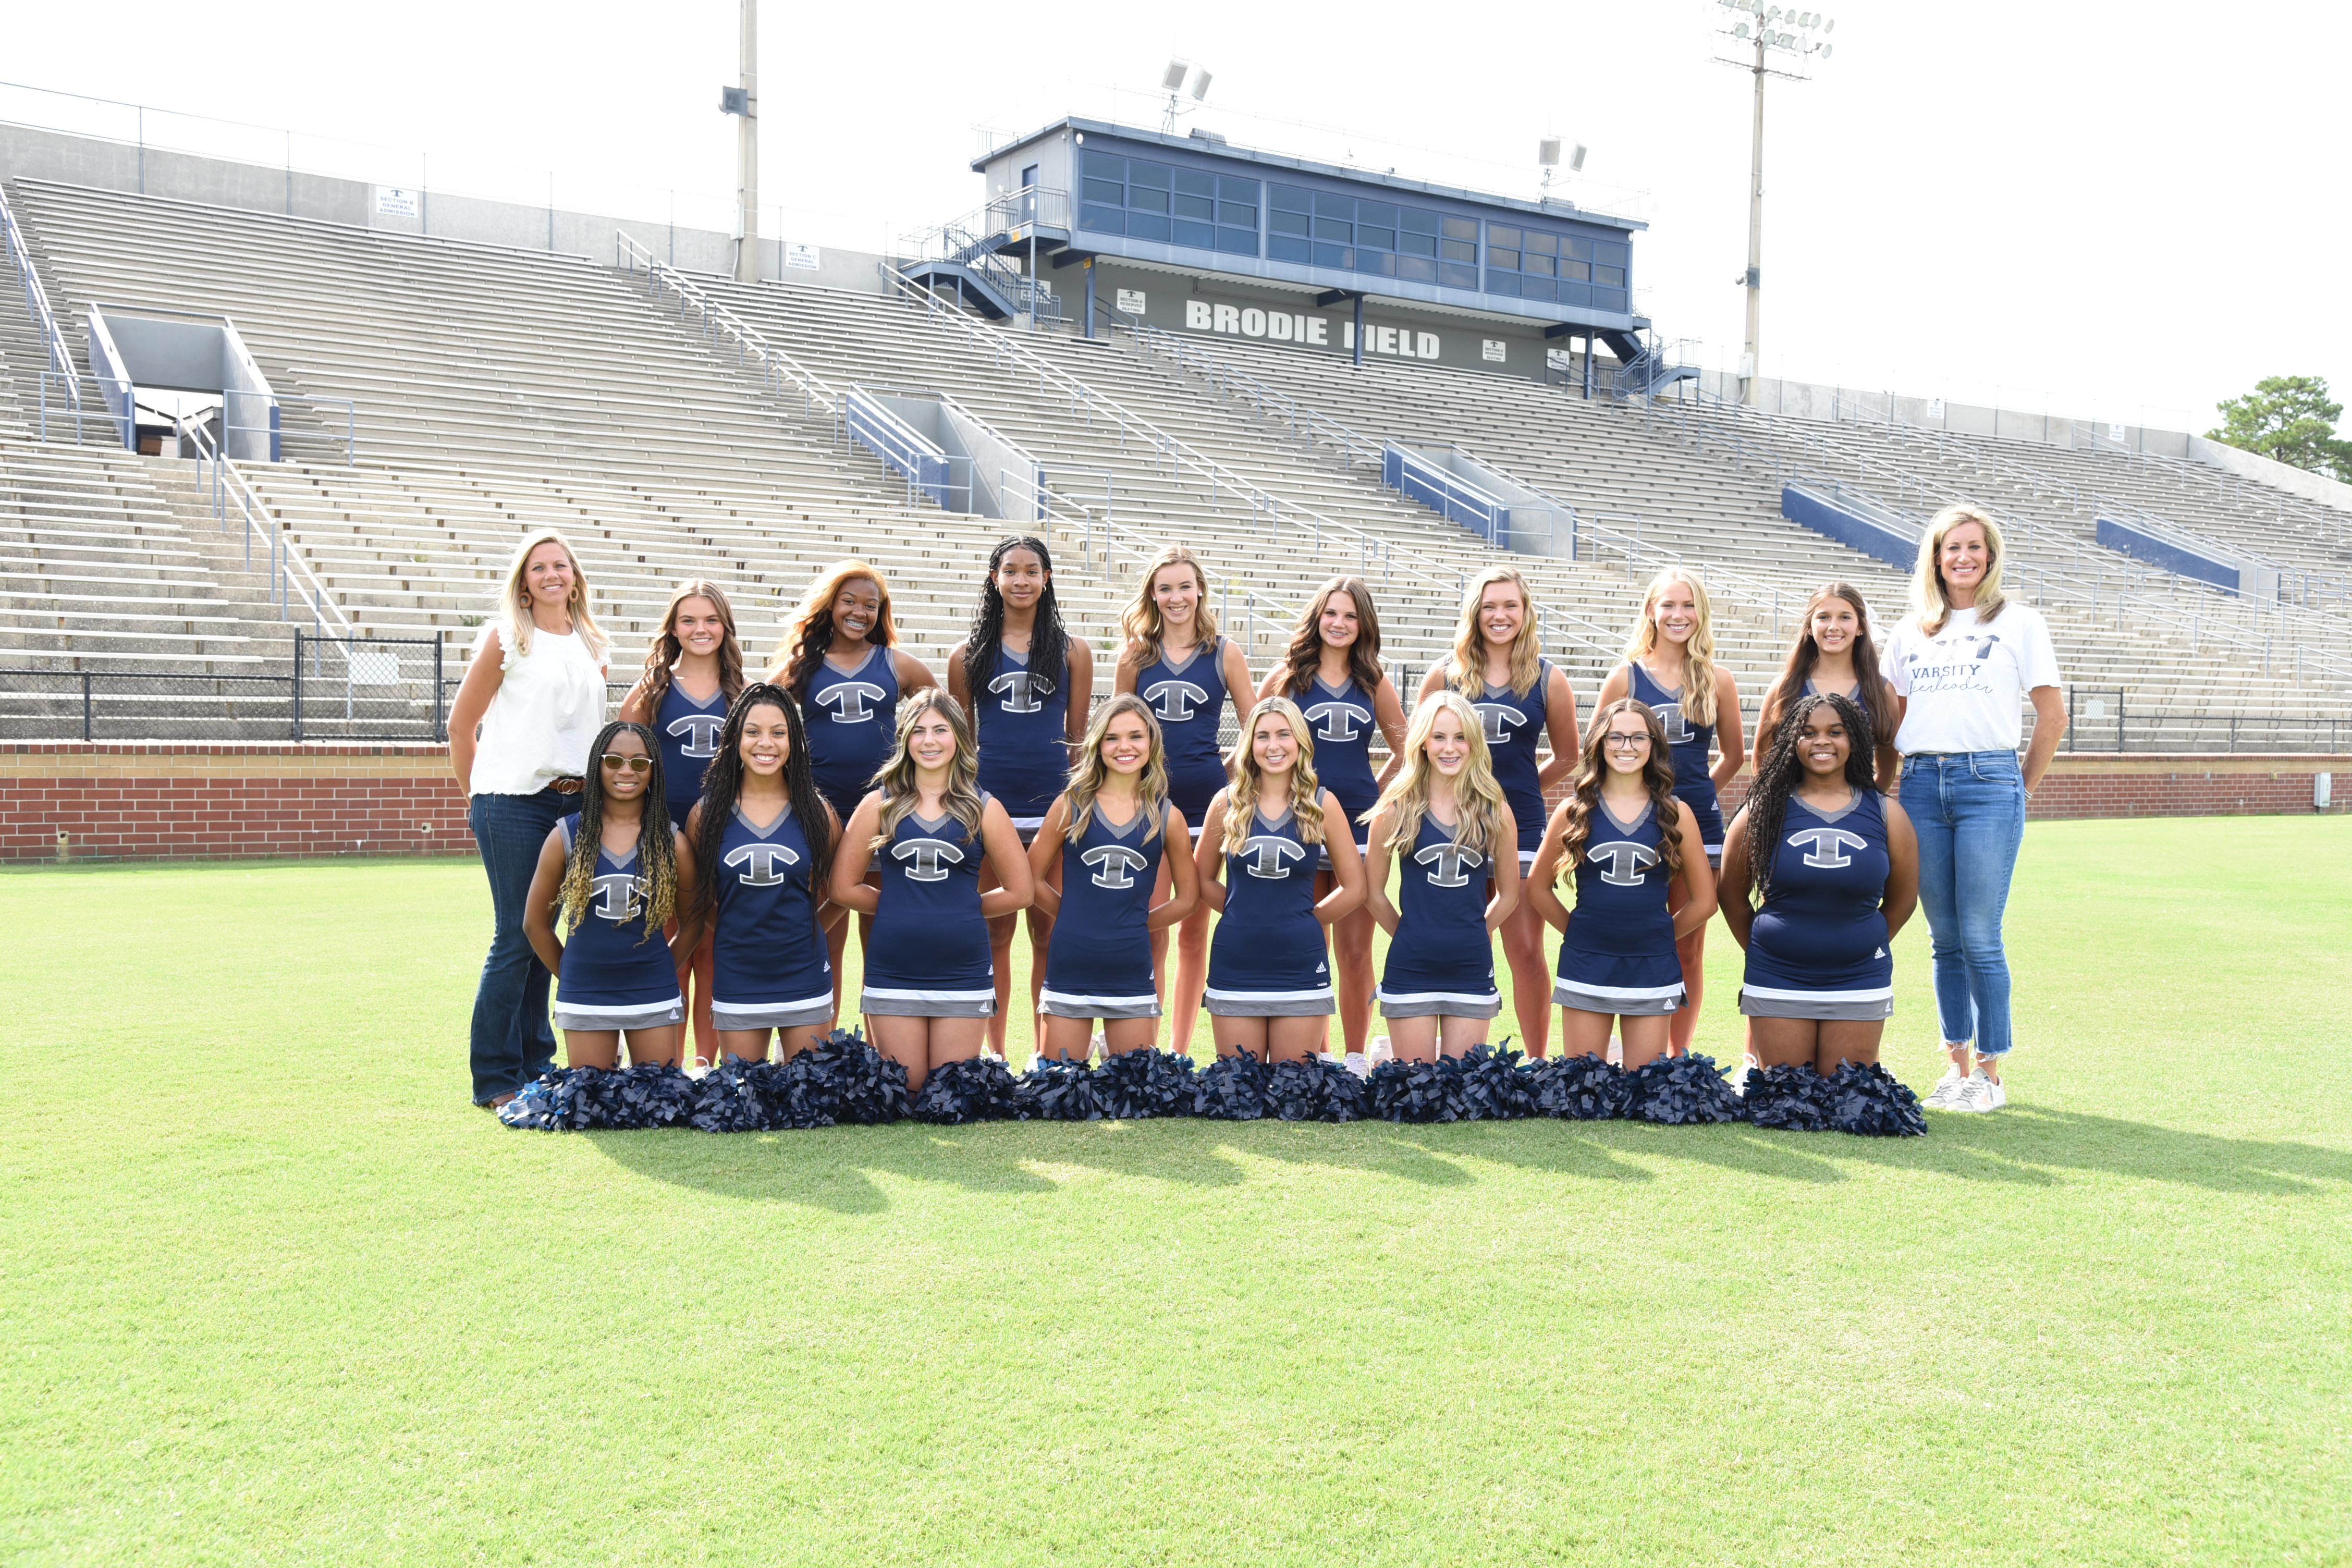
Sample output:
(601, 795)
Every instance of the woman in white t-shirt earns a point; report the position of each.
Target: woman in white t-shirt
(1962, 661)
(536, 689)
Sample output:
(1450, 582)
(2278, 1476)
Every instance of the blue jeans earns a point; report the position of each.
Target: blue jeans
(1968, 811)
(513, 1041)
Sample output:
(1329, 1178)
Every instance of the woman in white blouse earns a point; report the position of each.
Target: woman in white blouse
(1961, 661)
(536, 689)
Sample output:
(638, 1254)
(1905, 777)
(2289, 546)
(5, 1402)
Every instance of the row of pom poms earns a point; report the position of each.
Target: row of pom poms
(844, 1081)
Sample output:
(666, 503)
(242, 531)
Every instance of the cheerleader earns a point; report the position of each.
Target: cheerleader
(1028, 683)
(1670, 666)
(1642, 884)
(1108, 843)
(1838, 867)
(618, 870)
(693, 673)
(1174, 659)
(1269, 988)
(1333, 672)
(840, 662)
(1497, 666)
(1834, 653)
(930, 831)
(1446, 824)
(767, 837)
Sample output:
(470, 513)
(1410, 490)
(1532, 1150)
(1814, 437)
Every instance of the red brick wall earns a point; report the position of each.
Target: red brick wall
(160, 801)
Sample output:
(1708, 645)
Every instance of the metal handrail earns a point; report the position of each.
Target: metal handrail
(1224, 377)
(37, 301)
(289, 573)
(717, 320)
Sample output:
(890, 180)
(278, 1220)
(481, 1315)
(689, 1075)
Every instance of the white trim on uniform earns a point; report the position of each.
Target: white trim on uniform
(1881, 993)
(1623, 993)
(724, 1014)
(1063, 998)
(1413, 998)
(676, 1007)
(894, 995)
(1320, 993)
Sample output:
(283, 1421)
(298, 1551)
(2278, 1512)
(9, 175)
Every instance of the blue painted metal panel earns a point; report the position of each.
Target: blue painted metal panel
(889, 438)
(1444, 494)
(1849, 528)
(2226, 576)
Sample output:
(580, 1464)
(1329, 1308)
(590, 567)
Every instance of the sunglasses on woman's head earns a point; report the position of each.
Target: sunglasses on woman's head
(614, 763)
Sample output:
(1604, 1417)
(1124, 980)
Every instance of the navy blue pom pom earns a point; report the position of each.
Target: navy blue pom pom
(729, 1098)
(1055, 1090)
(1580, 1089)
(842, 1081)
(1230, 1089)
(1315, 1088)
(1866, 1099)
(1792, 1098)
(1491, 1087)
(1404, 1090)
(1681, 1092)
(554, 1102)
(1145, 1083)
(980, 1089)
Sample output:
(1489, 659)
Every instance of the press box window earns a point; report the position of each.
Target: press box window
(1159, 201)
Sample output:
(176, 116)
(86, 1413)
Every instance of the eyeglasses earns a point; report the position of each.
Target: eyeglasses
(1617, 742)
(617, 763)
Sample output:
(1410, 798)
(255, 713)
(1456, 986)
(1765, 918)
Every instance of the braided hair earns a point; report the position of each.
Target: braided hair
(1592, 769)
(657, 843)
(1049, 640)
(722, 788)
(1778, 771)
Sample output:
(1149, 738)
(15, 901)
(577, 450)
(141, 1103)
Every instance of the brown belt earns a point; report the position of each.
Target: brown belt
(568, 785)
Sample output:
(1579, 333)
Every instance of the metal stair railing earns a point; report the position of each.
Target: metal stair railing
(1305, 423)
(777, 369)
(289, 573)
(37, 304)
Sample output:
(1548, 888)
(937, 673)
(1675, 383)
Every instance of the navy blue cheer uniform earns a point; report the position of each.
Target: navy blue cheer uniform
(852, 725)
(1340, 720)
(1618, 953)
(1024, 727)
(1818, 948)
(688, 733)
(1189, 701)
(614, 974)
(1688, 746)
(1514, 723)
(1267, 959)
(1441, 964)
(927, 956)
(769, 968)
(1098, 964)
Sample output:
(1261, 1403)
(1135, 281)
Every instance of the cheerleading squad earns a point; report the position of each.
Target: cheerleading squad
(705, 852)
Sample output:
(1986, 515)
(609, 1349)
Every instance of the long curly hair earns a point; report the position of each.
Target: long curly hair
(1804, 654)
(808, 638)
(896, 778)
(1141, 619)
(1777, 772)
(1305, 655)
(1592, 767)
(1698, 654)
(1241, 799)
(1470, 638)
(657, 845)
(1049, 640)
(722, 788)
(1477, 798)
(1087, 778)
(666, 649)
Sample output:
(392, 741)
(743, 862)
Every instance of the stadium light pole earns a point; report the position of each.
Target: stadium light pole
(1769, 41)
(743, 101)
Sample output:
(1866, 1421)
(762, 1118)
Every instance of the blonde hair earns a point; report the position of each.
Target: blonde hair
(1476, 796)
(1240, 797)
(1141, 619)
(1087, 778)
(514, 600)
(1469, 641)
(896, 778)
(1698, 654)
(1929, 599)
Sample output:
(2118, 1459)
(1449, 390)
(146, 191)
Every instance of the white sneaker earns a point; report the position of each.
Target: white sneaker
(1946, 1089)
(1355, 1063)
(1979, 1094)
(1377, 1051)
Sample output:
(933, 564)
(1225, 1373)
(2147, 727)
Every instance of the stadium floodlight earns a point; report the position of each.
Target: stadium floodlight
(1171, 82)
(1547, 151)
(1785, 43)
(1172, 79)
(1200, 86)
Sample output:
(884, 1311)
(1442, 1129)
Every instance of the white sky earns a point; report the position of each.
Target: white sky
(2118, 213)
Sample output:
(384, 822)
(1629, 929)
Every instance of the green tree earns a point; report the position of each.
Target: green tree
(2290, 419)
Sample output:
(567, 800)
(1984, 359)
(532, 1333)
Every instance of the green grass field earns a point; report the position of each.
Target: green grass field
(274, 1291)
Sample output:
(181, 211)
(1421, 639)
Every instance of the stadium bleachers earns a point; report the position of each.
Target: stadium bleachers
(497, 391)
